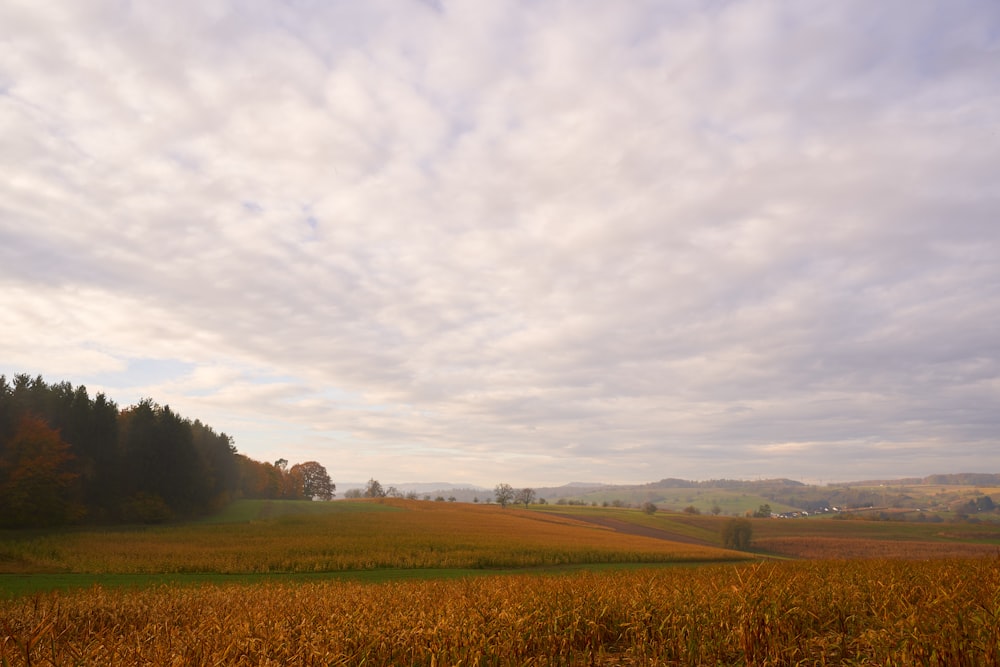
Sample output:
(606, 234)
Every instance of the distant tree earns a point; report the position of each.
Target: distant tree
(353, 493)
(763, 512)
(716, 510)
(525, 497)
(315, 480)
(691, 509)
(737, 534)
(504, 494)
(649, 508)
(374, 489)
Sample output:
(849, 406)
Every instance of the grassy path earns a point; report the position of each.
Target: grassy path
(19, 585)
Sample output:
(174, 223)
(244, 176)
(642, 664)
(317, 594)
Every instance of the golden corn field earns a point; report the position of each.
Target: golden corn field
(868, 612)
(856, 610)
(349, 536)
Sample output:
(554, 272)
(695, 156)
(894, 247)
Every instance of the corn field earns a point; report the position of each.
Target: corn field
(944, 612)
(408, 535)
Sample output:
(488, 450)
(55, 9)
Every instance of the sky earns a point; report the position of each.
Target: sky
(532, 242)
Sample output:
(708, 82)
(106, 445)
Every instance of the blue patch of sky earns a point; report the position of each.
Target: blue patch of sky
(144, 372)
(435, 5)
(182, 160)
(706, 125)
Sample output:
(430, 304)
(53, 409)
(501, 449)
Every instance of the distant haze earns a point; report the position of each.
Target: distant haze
(517, 242)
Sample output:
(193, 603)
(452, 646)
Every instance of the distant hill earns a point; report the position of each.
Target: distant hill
(952, 479)
(965, 479)
(736, 497)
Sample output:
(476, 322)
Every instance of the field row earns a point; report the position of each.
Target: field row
(858, 613)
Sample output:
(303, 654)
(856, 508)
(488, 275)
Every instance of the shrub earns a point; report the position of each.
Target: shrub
(146, 508)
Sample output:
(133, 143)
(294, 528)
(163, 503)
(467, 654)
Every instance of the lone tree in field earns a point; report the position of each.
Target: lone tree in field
(737, 533)
(649, 507)
(314, 479)
(526, 496)
(504, 493)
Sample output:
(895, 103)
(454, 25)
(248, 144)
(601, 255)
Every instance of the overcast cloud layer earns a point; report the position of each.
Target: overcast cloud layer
(532, 242)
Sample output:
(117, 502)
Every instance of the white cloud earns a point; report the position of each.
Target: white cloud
(678, 241)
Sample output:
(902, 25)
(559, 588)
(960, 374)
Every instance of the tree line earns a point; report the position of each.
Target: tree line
(66, 457)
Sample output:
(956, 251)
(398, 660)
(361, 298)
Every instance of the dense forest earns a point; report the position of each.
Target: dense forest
(68, 458)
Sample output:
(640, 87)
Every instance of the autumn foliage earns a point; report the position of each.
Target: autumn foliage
(37, 485)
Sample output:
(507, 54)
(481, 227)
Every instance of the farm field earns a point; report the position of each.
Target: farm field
(807, 612)
(344, 583)
(825, 538)
(259, 537)
(819, 537)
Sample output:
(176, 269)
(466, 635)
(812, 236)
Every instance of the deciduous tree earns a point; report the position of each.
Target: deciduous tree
(315, 480)
(504, 494)
(37, 486)
(526, 496)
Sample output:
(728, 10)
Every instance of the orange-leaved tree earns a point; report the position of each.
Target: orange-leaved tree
(37, 484)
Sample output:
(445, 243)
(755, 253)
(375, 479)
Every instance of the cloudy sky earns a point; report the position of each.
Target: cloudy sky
(532, 242)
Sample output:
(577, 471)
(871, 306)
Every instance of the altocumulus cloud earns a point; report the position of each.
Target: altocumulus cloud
(533, 242)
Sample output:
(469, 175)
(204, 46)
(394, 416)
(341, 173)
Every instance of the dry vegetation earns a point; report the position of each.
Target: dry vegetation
(867, 607)
(858, 613)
